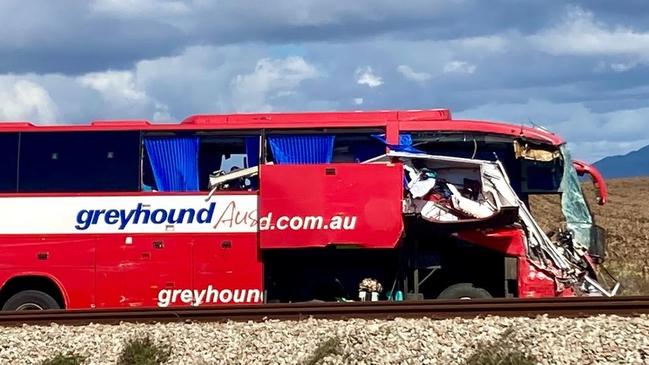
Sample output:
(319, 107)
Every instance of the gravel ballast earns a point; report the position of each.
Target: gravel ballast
(594, 340)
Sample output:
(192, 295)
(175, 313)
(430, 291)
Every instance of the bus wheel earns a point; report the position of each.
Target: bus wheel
(30, 300)
(463, 291)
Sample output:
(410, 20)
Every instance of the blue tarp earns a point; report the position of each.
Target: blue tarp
(174, 161)
(405, 143)
(302, 149)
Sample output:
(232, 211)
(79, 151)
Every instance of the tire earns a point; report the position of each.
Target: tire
(463, 291)
(30, 300)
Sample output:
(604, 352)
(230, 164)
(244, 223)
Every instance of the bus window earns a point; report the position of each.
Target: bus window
(223, 154)
(324, 146)
(148, 180)
(79, 162)
(185, 162)
(9, 162)
(541, 176)
(301, 148)
(356, 147)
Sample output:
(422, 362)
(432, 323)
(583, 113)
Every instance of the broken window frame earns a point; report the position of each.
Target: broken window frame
(576, 212)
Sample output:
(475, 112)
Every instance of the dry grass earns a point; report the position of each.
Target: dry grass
(65, 359)
(626, 219)
(503, 351)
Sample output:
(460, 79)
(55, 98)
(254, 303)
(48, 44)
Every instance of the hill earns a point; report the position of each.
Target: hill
(626, 219)
(635, 163)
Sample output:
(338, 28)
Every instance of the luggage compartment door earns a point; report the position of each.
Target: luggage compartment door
(331, 204)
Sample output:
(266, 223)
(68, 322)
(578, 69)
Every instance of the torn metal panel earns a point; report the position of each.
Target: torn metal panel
(449, 189)
(565, 261)
(524, 150)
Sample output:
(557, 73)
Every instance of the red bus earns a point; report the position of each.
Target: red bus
(254, 208)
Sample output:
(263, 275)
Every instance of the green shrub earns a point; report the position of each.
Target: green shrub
(65, 359)
(503, 351)
(143, 351)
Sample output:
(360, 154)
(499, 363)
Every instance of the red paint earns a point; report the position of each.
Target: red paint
(598, 180)
(129, 269)
(370, 194)
(508, 241)
(70, 263)
(103, 270)
(415, 120)
(534, 283)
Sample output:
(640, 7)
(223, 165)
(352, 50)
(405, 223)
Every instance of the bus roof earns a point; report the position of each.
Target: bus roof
(433, 120)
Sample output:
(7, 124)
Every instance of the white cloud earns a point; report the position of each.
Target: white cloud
(459, 67)
(271, 78)
(365, 76)
(161, 113)
(117, 86)
(140, 7)
(358, 101)
(580, 34)
(411, 74)
(26, 101)
(120, 90)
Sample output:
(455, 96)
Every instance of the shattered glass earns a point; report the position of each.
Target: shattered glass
(573, 204)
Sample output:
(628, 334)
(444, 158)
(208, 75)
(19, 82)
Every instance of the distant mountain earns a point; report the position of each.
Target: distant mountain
(632, 164)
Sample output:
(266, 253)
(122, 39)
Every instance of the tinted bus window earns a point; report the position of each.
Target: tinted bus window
(8, 162)
(79, 161)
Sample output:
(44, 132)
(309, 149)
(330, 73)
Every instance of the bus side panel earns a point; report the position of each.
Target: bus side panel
(227, 269)
(68, 260)
(132, 270)
(321, 204)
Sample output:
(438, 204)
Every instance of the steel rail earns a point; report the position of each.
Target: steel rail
(438, 309)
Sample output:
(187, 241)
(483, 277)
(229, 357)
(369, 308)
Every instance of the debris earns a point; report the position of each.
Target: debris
(369, 285)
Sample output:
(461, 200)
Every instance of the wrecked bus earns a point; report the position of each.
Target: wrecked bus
(254, 208)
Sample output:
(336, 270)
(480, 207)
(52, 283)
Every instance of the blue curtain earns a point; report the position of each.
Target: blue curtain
(174, 161)
(302, 149)
(252, 151)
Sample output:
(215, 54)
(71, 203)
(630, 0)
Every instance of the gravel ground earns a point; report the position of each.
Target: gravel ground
(594, 340)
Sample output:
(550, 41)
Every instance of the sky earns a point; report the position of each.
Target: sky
(580, 69)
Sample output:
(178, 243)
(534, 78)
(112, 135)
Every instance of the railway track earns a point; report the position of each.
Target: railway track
(554, 307)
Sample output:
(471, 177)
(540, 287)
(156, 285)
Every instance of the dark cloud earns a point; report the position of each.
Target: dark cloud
(46, 37)
(630, 13)
(578, 68)
(81, 36)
